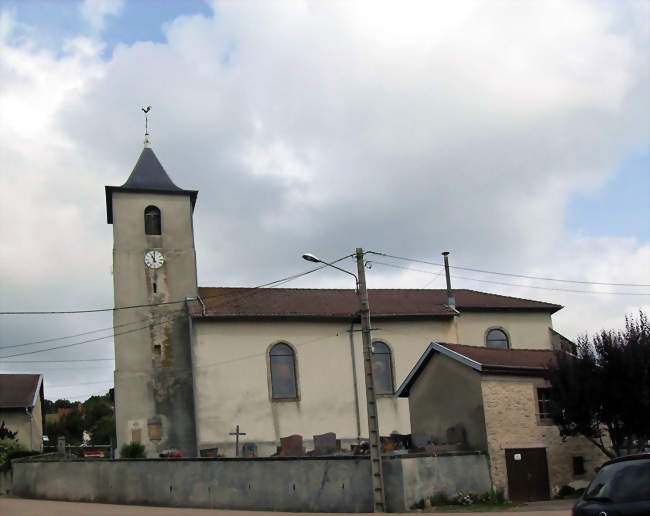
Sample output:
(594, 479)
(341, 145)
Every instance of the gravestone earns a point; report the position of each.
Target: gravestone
(209, 452)
(249, 450)
(325, 444)
(422, 440)
(456, 434)
(291, 446)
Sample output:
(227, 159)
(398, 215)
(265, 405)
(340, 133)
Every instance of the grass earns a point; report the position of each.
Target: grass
(474, 507)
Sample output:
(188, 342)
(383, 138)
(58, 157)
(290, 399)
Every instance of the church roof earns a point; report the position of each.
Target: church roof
(228, 302)
(518, 362)
(19, 390)
(149, 176)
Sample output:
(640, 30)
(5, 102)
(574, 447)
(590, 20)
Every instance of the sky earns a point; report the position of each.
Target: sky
(514, 135)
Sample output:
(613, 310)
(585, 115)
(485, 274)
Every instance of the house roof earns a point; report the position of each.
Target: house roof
(229, 302)
(148, 175)
(19, 390)
(518, 362)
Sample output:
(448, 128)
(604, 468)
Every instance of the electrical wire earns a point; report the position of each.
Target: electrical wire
(514, 275)
(114, 309)
(514, 284)
(248, 292)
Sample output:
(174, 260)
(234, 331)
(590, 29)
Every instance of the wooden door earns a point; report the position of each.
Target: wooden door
(527, 474)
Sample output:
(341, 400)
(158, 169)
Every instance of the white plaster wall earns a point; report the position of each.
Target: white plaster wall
(525, 330)
(232, 380)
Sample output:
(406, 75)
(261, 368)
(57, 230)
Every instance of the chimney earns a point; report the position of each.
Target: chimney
(451, 301)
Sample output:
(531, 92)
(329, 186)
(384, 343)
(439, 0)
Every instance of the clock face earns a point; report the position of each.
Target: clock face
(154, 259)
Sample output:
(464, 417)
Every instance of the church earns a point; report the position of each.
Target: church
(193, 364)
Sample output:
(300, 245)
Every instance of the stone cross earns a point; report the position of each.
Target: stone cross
(237, 433)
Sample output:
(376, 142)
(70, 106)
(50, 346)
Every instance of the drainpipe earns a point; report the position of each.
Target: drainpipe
(354, 379)
(451, 301)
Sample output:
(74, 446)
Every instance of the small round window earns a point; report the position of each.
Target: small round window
(497, 339)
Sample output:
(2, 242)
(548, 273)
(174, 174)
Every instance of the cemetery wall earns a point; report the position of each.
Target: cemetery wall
(305, 484)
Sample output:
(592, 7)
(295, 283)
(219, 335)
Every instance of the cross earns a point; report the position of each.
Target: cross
(237, 433)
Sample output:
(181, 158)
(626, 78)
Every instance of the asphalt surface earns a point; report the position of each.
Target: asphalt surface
(10, 506)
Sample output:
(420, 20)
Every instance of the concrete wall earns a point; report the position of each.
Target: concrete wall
(446, 394)
(339, 484)
(6, 482)
(233, 381)
(29, 425)
(510, 405)
(421, 477)
(525, 330)
(153, 381)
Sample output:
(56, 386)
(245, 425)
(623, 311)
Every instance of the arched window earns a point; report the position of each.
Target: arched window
(283, 372)
(152, 222)
(382, 368)
(497, 339)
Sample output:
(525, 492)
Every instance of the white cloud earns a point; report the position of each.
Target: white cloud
(326, 126)
(96, 11)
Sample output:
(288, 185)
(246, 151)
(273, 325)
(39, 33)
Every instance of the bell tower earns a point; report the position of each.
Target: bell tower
(154, 272)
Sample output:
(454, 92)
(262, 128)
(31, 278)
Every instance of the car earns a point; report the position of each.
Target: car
(621, 487)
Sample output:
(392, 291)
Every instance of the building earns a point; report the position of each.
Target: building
(21, 407)
(276, 361)
(497, 401)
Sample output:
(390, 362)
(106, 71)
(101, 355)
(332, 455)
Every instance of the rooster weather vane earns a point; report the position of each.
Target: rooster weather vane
(146, 119)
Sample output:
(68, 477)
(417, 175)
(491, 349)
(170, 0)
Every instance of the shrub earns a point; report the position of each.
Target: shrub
(440, 498)
(8, 449)
(132, 450)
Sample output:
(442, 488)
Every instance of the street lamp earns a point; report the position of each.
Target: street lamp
(371, 401)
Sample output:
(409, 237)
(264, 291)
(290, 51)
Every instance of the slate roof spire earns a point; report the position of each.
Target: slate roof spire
(147, 176)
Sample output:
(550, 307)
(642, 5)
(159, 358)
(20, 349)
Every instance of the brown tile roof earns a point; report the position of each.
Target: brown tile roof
(518, 362)
(342, 303)
(490, 358)
(19, 390)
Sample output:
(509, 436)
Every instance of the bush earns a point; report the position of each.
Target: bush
(8, 450)
(440, 498)
(132, 451)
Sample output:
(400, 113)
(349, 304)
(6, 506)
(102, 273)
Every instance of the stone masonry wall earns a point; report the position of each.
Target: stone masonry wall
(510, 406)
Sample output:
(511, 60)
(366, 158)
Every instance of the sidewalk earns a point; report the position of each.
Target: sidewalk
(23, 507)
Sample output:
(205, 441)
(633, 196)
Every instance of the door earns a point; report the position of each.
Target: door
(527, 474)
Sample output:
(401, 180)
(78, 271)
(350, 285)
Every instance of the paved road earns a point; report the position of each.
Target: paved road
(22, 507)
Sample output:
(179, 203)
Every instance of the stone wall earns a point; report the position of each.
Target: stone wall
(510, 407)
(309, 484)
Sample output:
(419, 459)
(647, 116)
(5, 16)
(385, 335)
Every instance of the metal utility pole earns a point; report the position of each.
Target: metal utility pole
(379, 502)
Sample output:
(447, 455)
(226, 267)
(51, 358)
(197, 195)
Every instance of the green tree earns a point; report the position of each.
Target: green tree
(603, 392)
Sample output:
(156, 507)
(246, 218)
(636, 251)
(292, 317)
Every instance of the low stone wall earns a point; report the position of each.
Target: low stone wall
(6, 482)
(306, 484)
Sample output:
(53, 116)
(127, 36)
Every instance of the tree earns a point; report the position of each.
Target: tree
(5, 433)
(603, 392)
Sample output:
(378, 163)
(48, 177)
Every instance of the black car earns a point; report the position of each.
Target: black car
(621, 488)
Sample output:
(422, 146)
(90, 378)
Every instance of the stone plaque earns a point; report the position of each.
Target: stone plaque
(325, 444)
(291, 446)
(249, 450)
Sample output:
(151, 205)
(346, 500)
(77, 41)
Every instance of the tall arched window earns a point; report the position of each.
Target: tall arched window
(497, 339)
(283, 372)
(382, 368)
(152, 222)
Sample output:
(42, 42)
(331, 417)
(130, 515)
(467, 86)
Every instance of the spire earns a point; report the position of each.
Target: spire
(148, 175)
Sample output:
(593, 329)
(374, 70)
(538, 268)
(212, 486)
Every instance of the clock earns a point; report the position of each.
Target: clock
(154, 259)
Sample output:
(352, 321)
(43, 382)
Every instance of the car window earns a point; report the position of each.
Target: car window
(627, 481)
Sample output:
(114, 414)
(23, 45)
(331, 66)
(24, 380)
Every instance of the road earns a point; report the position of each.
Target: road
(21, 507)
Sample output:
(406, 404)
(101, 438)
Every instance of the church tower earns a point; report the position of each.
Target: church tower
(154, 272)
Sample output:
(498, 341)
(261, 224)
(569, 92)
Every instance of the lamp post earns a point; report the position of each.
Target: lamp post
(379, 504)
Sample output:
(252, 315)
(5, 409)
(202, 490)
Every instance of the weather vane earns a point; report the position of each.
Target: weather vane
(146, 119)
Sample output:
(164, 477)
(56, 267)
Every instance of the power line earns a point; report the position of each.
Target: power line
(97, 310)
(515, 284)
(54, 339)
(250, 291)
(57, 361)
(515, 275)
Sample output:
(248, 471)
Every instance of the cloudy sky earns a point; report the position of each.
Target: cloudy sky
(513, 134)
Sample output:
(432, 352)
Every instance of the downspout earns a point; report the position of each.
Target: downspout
(190, 337)
(354, 379)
